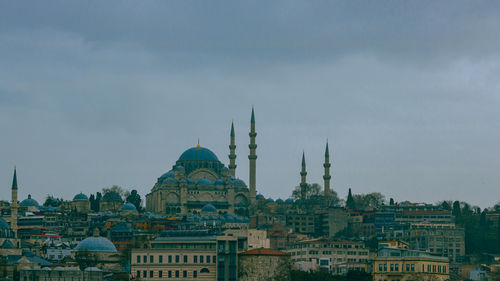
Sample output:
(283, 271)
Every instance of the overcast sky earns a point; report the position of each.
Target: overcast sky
(98, 93)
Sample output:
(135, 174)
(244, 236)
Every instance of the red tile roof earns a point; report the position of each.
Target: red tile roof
(264, 252)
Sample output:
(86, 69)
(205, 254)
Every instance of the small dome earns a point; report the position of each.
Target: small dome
(190, 181)
(279, 200)
(209, 208)
(80, 196)
(220, 182)
(171, 181)
(289, 200)
(129, 207)
(204, 181)
(270, 200)
(179, 168)
(96, 244)
(239, 183)
(260, 196)
(112, 197)
(198, 154)
(168, 174)
(4, 224)
(29, 202)
(224, 169)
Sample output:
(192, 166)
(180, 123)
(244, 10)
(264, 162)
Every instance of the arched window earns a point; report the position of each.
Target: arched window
(204, 270)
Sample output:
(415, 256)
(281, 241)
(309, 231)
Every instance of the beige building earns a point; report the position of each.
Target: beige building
(80, 204)
(187, 255)
(406, 265)
(256, 238)
(335, 256)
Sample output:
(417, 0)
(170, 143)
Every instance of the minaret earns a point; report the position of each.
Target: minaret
(13, 204)
(326, 176)
(303, 174)
(232, 153)
(253, 158)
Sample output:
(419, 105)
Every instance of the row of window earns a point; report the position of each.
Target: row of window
(169, 273)
(411, 268)
(177, 259)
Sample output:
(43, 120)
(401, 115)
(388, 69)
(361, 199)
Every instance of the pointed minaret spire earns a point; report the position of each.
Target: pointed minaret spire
(13, 204)
(198, 145)
(232, 153)
(14, 180)
(326, 176)
(303, 174)
(252, 157)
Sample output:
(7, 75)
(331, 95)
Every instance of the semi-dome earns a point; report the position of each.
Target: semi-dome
(271, 200)
(238, 182)
(198, 154)
(190, 181)
(204, 181)
(168, 174)
(289, 200)
(171, 181)
(112, 197)
(209, 208)
(29, 202)
(279, 200)
(259, 196)
(129, 207)
(4, 224)
(96, 244)
(80, 196)
(219, 182)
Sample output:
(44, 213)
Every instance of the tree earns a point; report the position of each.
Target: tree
(350, 204)
(312, 191)
(114, 188)
(135, 199)
(456, 209)
(391, 202)
(446, 206)
(369, 201)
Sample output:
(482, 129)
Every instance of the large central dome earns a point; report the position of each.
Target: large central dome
(198, 154)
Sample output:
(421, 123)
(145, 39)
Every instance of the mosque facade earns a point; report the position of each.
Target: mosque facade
(198, 178)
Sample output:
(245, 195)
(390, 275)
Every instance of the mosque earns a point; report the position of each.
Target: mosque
(199, 179)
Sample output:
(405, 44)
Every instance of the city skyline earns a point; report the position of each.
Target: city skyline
(407, 96)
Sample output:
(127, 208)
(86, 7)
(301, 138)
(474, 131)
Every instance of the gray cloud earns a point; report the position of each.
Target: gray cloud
(94, 94)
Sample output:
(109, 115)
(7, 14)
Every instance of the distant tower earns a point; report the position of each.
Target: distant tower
(303, 174)
(13, 205)
(253, 158)
(326, 176)
(232, 153)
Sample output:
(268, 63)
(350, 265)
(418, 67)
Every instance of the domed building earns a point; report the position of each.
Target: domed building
(29, 204)
(98, 252)
(80, 203)
(199, 178)
(111, 202)
(128, 209)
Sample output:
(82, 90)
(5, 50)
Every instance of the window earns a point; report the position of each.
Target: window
(412, 267)
(144, 273)
(160, 259)
(204, 270)
(151, 274)
(392, 267)
(201, 259)
(138, 259)
(397, 266)
(138, 274)
(195, 259)
(208, 259)
(195, 274)
(407, 267)
(145, 259)
(185, 259)
(160, 273)
(380, 267)
(184, 274)
(169, 259)
(213, 259)
(151, 259)
(177, 275)
(177, 258)
(170, 274)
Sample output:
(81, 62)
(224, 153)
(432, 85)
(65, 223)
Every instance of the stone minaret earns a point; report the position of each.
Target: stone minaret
(232, 153)
(13, 204)
(253, 158)
(326, 176)
(303, 174)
